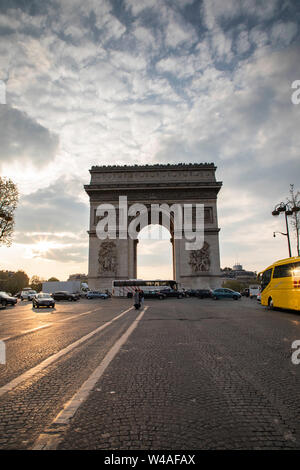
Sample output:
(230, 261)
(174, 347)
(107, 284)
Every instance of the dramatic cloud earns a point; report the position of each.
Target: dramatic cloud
(53, 209)
(63, 254)
(147, 81)
(51, 224)
(23, 139)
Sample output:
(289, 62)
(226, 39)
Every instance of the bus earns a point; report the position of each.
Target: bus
(121, 288)
(280, 284)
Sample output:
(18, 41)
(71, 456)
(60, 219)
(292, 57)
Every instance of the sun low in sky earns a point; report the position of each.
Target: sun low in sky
(148, 81)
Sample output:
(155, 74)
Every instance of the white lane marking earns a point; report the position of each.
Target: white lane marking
(22, 333)
(34, 370)
(13, 320)
(15, 310)
(26, 332)
(50, 439)
(79, 315)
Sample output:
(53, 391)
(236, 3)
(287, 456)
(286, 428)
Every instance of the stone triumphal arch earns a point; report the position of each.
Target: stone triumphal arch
(154, 184)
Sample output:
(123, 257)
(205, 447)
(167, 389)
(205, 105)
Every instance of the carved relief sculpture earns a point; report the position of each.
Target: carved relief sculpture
(107, 256)
(200, 259)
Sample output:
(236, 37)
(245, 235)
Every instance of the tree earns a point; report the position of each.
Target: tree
(13, 282)
(235, 285)
(53, 279)
(5, 280)
(21, 280)
(36, 283)
(294, 201)
(9, 197)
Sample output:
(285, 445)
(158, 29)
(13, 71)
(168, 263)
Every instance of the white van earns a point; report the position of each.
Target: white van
(254, 291)
(28, 294)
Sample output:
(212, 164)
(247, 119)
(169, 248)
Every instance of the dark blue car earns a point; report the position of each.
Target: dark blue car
(96, 295)
(6, 299)
(223, 293)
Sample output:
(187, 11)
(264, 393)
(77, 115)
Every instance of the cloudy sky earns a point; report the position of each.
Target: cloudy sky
(147, 81)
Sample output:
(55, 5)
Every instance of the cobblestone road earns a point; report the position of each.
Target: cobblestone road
(192, 374)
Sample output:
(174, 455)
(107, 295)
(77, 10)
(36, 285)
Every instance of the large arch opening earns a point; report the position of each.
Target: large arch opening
(154, 253)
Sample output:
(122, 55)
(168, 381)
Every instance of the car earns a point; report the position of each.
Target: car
(190, 292)
(223, 293)
(154, 294)
(258, 297)
(64, 295)
(6, 299)
(173, 293)
(204, 293)
(27, 294)
(43, 300)
(96, 295)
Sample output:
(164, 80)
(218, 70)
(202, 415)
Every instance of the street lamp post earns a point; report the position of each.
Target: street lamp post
(288, 210)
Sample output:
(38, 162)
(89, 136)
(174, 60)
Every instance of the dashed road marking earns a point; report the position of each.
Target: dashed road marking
(26, 332)
(32, 330)
(53, 435)
(78, 315)
(13, 320)
(34, 370)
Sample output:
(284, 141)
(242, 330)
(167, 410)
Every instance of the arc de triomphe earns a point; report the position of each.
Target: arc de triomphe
(155, 184)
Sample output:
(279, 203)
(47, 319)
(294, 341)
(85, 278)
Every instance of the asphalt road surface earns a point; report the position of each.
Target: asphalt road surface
(178, 374)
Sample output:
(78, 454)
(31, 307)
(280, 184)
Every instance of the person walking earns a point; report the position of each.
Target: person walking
(136, 300)
(142, 297)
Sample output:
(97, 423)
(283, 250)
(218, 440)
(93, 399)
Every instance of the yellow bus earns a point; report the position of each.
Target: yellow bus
(280, 284)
